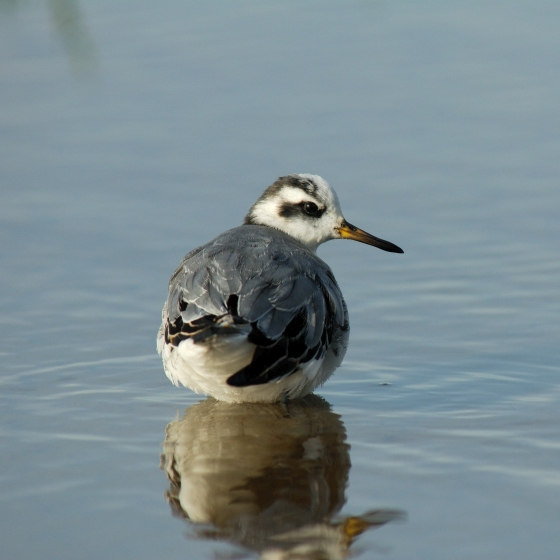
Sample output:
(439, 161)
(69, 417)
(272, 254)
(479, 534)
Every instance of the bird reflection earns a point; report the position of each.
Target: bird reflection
(268, 477)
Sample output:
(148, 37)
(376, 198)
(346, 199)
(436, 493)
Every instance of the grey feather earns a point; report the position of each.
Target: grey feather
(272, 274)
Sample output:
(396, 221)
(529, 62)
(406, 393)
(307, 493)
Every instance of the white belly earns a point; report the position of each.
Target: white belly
(204, 368)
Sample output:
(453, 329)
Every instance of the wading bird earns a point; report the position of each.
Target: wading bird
(255, 315)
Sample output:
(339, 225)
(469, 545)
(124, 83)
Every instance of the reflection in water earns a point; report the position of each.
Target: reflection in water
(70, 26)
(269, 477)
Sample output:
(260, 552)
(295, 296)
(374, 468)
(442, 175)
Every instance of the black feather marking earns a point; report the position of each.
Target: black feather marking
(232, 302)
(276, 359)
(266, 365)
(236, 293)
(257, 337)
(289, 210)
(306, 185)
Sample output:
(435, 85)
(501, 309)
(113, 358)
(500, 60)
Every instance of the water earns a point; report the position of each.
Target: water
(130, 133)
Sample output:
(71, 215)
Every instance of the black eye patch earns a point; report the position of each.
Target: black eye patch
(309, 209)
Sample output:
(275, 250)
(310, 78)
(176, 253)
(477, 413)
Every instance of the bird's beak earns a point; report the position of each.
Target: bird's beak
(348, 231)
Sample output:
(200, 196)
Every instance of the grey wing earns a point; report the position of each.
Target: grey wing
(281, 295)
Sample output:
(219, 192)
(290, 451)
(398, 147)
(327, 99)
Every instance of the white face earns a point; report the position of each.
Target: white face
(303, 206)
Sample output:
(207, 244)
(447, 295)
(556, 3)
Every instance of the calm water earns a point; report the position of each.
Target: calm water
(131, 132)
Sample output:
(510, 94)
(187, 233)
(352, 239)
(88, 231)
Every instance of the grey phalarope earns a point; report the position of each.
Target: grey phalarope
(255, 315)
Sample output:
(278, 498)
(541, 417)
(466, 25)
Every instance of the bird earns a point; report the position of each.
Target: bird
(255, 315)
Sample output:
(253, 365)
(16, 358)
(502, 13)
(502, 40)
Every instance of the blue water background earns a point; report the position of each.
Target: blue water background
(131, 132)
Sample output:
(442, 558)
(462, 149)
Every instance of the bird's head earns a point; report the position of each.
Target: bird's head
(306, 207)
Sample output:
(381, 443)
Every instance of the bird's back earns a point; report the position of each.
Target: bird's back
(260, 282)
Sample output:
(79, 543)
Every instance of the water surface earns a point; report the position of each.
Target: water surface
(130, 134)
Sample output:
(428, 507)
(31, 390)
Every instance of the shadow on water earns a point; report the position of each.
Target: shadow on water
(268, 477)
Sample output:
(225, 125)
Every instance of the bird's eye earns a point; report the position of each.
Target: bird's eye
(311, 209)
